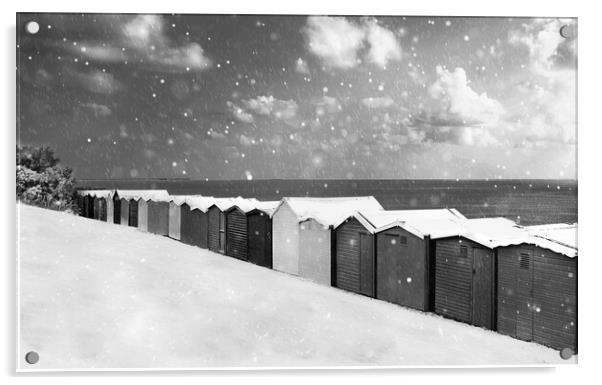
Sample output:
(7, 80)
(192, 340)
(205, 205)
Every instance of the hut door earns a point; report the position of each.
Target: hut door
(222, 232)
(366, 265)
(524, 295)
(482, 288)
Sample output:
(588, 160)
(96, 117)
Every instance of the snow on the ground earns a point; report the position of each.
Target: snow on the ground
(97, 295)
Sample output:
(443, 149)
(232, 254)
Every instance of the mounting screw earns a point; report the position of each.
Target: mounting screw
(32, 357)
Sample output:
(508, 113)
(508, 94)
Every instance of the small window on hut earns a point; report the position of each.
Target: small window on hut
(464, 251)
(403, 240)
(523, 261)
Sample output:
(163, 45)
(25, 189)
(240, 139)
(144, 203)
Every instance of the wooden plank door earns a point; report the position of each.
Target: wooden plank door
(482, 288)
(366, 265)
(524, 293)
(222, 232)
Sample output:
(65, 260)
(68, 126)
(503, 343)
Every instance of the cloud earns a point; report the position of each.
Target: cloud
(95, 81)
(383, 44)
(377, 102)
(334, 40)
(268, 105)
(549, 93)
(301, 67)
(339, 43)
(327, 105)
(143, 39)
(461, 102)
(239, 113)
(99, 110)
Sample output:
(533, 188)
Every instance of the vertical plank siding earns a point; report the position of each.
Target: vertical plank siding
(537, 301)
(285, 240)
(133, 213)
(143, 215)
(158, 218)
(348, 274)
(401, 268)
(174, 220)
(236, 235)
(259, 234)
(213, 228)
(125, 212)
(453, 280)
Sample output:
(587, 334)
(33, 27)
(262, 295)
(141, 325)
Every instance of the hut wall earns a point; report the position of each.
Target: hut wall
(190, 226)
(96, 205)
(402, 269)
(537, 296)
(465, 282)
(285, 232)
(216, 230)
(102, 206)
(125, 212)
(175, 219)
(203, 218)
(133, 213)
(116, 210)
(110, 212)
(315, 260)
(158, 218)
(143, 215)
(260, 239)
(236, 234)
(355, 258)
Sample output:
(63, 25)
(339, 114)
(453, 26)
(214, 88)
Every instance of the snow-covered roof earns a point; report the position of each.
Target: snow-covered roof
(199, 202)
(245, 204)
(268, 207)
(418, 222)
(147, 195)
(561, 233)
(96, 193)
(329, 211)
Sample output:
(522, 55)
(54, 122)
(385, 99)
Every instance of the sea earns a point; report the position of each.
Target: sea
(528, 202)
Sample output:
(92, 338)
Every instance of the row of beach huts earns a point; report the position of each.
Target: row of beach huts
(520, 281)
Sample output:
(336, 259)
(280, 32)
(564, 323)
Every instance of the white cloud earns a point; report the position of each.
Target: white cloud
(143, 39)
(550, 92)
(339, 42)
(383, 44)
(334, 40)
(457, 99)
(301, 67)
(99, 110)
(95, 81)
(239, 113)
(327, 105)
(378, 102)
(268, 105)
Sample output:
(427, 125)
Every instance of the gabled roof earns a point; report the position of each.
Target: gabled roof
(95, 193)
(199, 202)
(225, 204)
(562, 234)
(418, 222)
(268, 207)
(147, 195)
(328, 211)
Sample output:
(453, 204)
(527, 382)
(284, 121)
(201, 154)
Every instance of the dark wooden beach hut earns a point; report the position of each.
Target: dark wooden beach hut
(133, 212)
(125, 211)
(466, 274)
(102, 208)
(537, 288)
(116, 207)
(194, 220)
(216, 229)
(388, 255)
(249, 231)
(96, 204)
(158, 217)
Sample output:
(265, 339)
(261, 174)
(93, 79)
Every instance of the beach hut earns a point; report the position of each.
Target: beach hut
(125, 211)
(193, 214)
(79, 200)
(175, 216)
(537, 287)
(110, 207)
(142, 214)
(158, 215)
(465, 281)
(116, 207)
(133, 212)
(96, 205)
(388, 254)
(216, 223)
(249, 231)
(302, 240)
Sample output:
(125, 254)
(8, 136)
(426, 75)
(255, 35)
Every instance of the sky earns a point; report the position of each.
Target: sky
(334, 97)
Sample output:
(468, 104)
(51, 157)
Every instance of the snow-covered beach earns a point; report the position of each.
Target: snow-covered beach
(97, 295)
